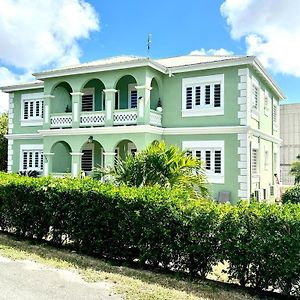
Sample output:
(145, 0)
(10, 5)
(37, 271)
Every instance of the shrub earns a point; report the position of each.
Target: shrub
(292, 194)
(158, 227)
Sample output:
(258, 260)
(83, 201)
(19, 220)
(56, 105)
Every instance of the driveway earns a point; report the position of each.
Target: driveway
(27, 280)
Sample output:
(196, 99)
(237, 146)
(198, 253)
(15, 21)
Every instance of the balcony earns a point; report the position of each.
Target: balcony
(127, 104)
(121, 117)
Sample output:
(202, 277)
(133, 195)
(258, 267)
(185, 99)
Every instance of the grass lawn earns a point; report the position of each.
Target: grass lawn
(128, 282)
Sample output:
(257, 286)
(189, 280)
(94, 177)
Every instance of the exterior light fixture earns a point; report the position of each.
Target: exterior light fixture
(90, 139)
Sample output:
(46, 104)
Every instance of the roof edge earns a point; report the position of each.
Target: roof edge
(22, 86)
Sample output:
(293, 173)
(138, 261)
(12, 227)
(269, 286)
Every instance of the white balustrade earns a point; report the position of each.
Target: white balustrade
(92, 119)
(61, 120)
(125, 117)
(155, 118)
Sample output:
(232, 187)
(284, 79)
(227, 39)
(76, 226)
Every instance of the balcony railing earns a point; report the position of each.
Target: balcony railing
(61, 120)
(92, 118)
(98, 118)
(125, 117)
(155, 118)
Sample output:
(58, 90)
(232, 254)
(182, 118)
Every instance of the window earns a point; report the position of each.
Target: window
(255, 99)
(203, 95)
(31, 157)
(266, 160)
(132, 96)
(267, 104)
(87, 160)
(32, 107)
(275, 116)
(255, 96)
(254, 161)
(212, 154)
(88, 99)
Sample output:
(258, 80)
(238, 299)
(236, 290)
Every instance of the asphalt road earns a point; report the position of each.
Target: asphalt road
(26, 280)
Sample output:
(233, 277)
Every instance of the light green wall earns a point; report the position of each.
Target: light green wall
(154, 94)
(17, 113)
(172, 97)
(62, 98)
(99, 87)
(230, 160)
(61, 160)
(16, 151)
(122, 86)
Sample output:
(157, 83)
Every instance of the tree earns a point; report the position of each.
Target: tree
(3, 141)
(295, 169)
(164, 166)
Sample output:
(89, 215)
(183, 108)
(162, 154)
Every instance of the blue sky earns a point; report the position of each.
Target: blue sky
(55, 33)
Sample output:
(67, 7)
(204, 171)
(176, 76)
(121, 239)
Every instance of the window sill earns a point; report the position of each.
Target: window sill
(255, 178)
(255, 114)
(203, 112)
(214, 178)
(37, 122)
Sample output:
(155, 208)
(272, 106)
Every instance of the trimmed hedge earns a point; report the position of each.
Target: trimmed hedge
(160, 227)
(292, 194)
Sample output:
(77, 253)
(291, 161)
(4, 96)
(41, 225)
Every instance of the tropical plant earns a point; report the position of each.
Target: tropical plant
(295, 169)
(160, 165)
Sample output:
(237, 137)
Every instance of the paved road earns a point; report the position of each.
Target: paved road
(26, 280)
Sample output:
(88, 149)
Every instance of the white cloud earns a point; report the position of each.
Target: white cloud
(220, 51)
(38, 33)
(271, 29)
(7, 78)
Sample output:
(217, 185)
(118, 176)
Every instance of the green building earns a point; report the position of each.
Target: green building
(223, 109)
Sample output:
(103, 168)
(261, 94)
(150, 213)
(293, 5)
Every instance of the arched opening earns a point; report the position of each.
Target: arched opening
(93, 98)
(62, 101)
(92, 156)
(125, 148)
(155, 100)
(62, 160)
(126, 97)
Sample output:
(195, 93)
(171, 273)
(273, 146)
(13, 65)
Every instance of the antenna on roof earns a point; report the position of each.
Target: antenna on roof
(149, 42)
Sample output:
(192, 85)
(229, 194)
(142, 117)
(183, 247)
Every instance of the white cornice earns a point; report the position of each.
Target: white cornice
(83, 69)
(22, 87)
(102, 130)
(206, 130)
(23, 136)
(265, 136)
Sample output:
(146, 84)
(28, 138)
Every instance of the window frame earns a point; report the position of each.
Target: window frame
(275, 121)
(34, 148)
(212, 146)
(254, 109)
(34, 120)
(132, 87)
(203, 109)
(267, 101)
(88, 146)
(87, 92)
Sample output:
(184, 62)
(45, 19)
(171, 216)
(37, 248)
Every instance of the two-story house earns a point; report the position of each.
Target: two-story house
(223, 109)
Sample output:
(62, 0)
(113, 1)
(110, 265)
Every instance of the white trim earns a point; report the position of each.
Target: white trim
(76, 153)
(28, 123)
(209, 145)
(34, 120)
(132, 88)
(23, 136)
(83, 69)
(215, 111)
(243, 166)
(22, 87)
(243, 95)
(202, 109)
(76, 94)
(30, 147)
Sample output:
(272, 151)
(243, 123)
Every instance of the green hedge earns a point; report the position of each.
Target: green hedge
(164, 228)
(292, 194)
